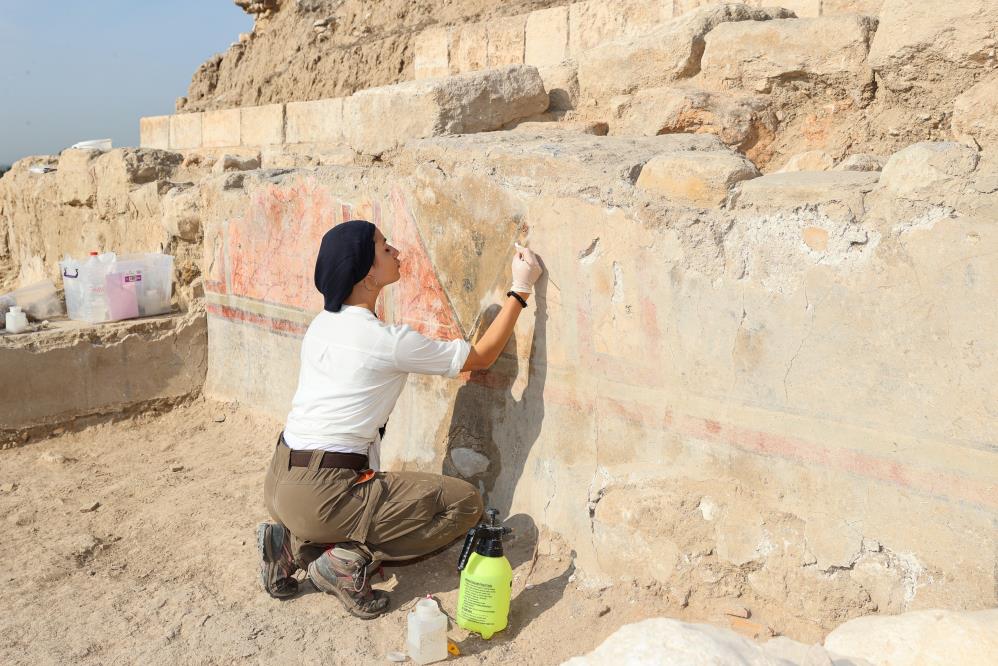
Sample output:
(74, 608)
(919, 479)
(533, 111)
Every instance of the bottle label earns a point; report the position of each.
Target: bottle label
(478, 603)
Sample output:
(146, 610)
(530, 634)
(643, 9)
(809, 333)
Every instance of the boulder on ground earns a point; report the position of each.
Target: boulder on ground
(744, 122)
(968, 638)
(975, 114)
(379, 119)
(669, 53)
(695, 178)
(930, 46)
(758, 55)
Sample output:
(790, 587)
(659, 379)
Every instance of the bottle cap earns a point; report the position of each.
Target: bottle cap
(93, 253)
(15, 309)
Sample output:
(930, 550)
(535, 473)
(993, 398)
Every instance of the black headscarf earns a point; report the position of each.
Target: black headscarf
(346, 255)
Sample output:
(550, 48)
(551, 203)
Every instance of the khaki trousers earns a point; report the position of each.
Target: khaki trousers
(394, 516)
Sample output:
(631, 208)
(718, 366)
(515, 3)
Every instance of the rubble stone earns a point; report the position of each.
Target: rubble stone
(802, 188)
(757, 54)
(744, 122)
(915, 38)
(475, 102)
(812, 160)
(975, 114)
(695, 178)
(668, 53)
(861, 162)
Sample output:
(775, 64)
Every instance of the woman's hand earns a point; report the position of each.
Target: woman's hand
(527, 270)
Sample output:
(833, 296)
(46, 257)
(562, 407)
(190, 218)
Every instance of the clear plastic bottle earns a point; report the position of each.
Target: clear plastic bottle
(94, 289)
(427, 640)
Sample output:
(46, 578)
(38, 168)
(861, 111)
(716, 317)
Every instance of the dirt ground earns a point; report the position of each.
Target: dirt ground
(164, 570)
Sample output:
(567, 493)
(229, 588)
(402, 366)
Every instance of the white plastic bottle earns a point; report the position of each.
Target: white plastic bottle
(427, 640)
(15, 320)
(94, 305)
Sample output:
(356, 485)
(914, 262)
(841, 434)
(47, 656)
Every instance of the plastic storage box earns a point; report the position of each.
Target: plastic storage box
(110, 288)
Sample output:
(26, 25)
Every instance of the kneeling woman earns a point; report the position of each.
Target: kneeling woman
(336, 515)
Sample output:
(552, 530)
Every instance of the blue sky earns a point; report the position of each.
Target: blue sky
(89, 69)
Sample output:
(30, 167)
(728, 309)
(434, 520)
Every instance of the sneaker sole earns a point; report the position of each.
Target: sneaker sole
(266, 558)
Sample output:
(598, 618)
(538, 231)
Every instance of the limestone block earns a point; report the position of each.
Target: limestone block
(968, 638)
(430, 59)
(546, 36)
(464, 104)
(812, 160)
(562, 83)
(317, 121)
(919, 43)
(868, 7)
(506, 39)
(185, 131)
(670, 52)
(791, 191)
(229, 162)
(861, 162)
(757, 54)
(154, 132)
(76, 183)
(695, 178)
(740, 121)
(468, 48)
(592, 23)
(261, 125)
(182, 214)
(220, 129)
(929, 171)
(667, 642)
(975, 114)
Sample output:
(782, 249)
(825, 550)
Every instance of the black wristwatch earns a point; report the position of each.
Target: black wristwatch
(517, 297)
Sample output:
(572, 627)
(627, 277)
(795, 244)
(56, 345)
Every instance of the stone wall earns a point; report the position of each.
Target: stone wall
(549, 36)
(786, 398)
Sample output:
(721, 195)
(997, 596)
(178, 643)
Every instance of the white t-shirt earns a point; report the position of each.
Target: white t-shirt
(353, 369)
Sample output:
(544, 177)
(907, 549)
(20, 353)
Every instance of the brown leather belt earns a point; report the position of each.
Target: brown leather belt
(354, 461)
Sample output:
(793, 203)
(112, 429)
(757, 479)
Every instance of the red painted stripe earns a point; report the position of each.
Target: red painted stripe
(282, 326)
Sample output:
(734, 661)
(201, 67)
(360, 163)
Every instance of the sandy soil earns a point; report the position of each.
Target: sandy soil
(164, 570)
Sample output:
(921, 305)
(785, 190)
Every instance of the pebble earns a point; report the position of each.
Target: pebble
(177, 468)
(51, 457)
(8, 487)
(603, 611)
(90, 506)
(396, 657)
(220, 418)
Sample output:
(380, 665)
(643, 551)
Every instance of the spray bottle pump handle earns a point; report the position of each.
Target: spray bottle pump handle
(469, 546)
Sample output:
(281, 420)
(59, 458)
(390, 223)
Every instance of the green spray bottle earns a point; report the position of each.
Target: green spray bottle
(486, 579)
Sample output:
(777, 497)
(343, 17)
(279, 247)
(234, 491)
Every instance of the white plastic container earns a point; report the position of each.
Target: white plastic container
(427, 639)
(111, 288)
(39, 300)
(15, 320)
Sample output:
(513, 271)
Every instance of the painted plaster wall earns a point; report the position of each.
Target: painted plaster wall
(822, 442)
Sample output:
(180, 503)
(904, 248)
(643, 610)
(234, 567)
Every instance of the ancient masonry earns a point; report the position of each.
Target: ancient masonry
(763, 357)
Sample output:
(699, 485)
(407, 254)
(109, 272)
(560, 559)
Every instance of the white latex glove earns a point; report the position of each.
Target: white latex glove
(526, 270)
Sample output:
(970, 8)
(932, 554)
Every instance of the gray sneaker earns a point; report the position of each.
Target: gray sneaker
(277, 565)
(346, 573)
